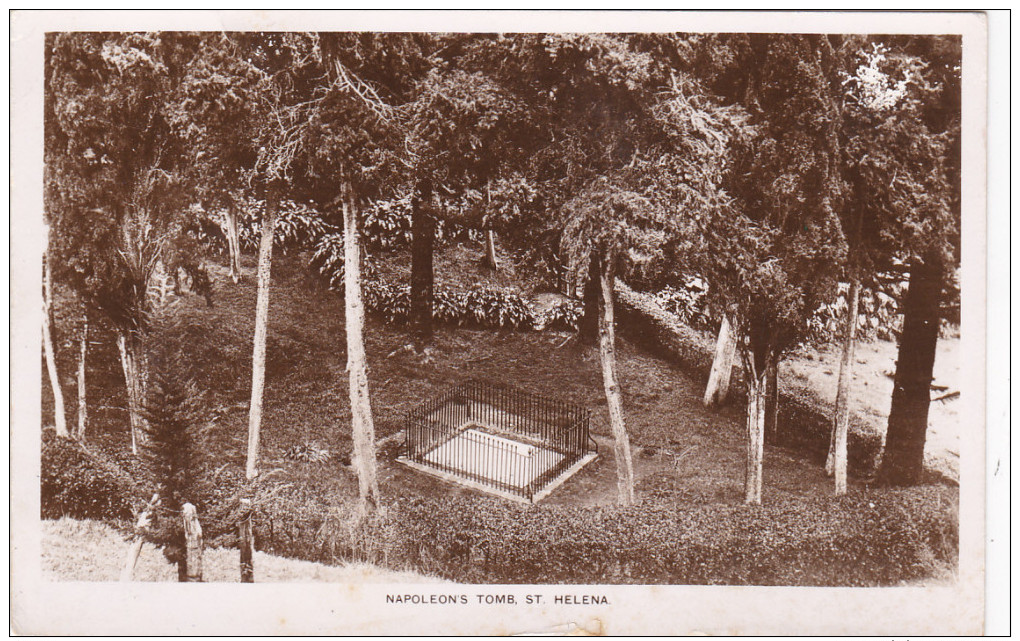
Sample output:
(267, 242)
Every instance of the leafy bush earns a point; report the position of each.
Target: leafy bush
(498, 307)
(388, 223)
(564, 316)
(482, 306)
(328, 260)
(82, 483)
(450, 306)
(688, 303)
(390, 301)
(298, 226)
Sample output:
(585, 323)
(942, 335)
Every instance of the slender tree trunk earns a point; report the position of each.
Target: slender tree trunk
(772, 402)
(362, 426)
(836, 461)
(607, 356)
(903, 460)
(59, 418)
(422, 276)
(756, 383)
(588, 325)
(83, 406)
(258, 368)
(491, 261)
(192, 544)
(722, 366)
(131, 360)
(233, 244)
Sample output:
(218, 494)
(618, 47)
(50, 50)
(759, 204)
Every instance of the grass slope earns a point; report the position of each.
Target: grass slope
(87, 550)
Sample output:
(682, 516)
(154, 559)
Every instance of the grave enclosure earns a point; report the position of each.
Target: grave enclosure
(500, 440)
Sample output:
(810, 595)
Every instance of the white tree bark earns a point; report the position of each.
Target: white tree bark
(233, 244)
(83, 407)
(722, 366)
(59, 418)
(362, 425)
(607, 356)
(258, 366)
(755, 433)
(836, 462)
(490, 250)
(134, 381)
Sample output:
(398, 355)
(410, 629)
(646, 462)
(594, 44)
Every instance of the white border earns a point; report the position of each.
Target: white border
(60, 608)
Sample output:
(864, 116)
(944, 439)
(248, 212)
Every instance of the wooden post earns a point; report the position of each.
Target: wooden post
(246, 541)
(136, 546)
(193, 543)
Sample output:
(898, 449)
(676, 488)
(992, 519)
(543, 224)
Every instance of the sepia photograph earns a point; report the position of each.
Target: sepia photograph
(501, 329)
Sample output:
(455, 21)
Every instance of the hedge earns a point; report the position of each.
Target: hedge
(863, 539)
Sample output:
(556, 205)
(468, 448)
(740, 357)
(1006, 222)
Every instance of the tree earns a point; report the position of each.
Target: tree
(927, 204)
(899, 200)
(770, 257)
(59, 418)
(353, 137)
(114, 180)
(458, 124)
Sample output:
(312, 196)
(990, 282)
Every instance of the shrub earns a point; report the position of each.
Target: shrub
(388, 223)
(565, 315)
(298, 226)
(390, 301)
(499, 307)
(450, 306)
(82, 483)
(328, 260)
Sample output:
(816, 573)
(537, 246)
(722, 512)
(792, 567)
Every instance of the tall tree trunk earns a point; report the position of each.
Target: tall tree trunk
(718, 386)
(903, 460)
(772, 402)
(836, 461)
(588, 325)
(59, 418)
(132, 362)
(258, 367)
(233, 244)
(756, 383)
(422, 277)
(491, 261)
(607, 356)
(362, 425)
(83, 406)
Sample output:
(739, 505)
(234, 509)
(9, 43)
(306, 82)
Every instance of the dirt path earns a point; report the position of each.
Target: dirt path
(872, 392)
